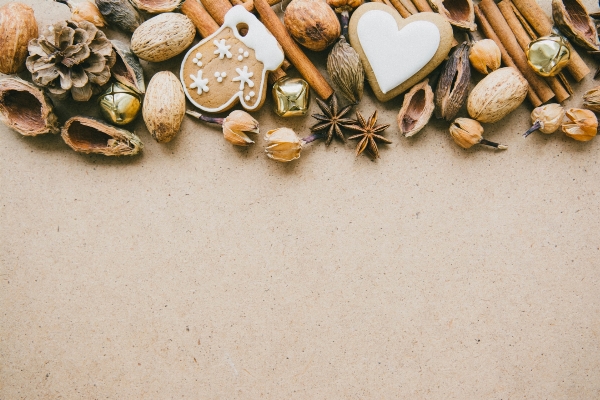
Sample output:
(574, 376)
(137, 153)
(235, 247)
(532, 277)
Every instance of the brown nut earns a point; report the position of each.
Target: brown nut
(164, 106)
(312, 23)
(163, 37)
(17, 27)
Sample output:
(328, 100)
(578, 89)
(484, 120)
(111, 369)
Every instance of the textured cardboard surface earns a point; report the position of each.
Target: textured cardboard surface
(203, 271)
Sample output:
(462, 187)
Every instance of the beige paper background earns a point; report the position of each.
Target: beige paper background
(202, 271)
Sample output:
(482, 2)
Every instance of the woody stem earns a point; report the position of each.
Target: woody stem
(205, 118)
(493, 144)
(312, 138)
(345, 20)
(533, 128)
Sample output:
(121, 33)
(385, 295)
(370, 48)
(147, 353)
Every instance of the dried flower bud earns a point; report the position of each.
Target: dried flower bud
(546, 119)
(485, 56)
(580, 124)
(283, 145)
(236, 125)
(591, 99)
(467, 132)
(346, 70)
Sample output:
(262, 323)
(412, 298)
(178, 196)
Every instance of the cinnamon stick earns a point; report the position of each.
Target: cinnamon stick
(534, 14)
(422, 5)
(409, 6)
(499, 25)
(217, 9)
(200, 18)
(524, 39)
(296, 56)
(397, 4)
(489, 33)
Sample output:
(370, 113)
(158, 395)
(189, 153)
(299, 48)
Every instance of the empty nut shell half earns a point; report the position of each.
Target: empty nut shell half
(127, 69)
(26, 109)
(416, 109)
(459, 13)
(157, 6)
(88, 135)
(571, 17)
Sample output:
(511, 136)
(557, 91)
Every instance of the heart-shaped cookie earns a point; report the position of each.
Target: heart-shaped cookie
(398, 53)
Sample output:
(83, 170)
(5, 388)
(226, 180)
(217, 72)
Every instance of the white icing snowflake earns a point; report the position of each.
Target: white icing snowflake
(249, 96)
(220, 76)
(196, 60)
(201, 84)
(222, 49)
(243, 54)
(244, 77)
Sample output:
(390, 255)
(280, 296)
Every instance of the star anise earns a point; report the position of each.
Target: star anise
(332, 120)
(368, 134)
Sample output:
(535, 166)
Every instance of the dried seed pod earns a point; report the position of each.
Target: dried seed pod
(346, 70)
(88, 135)
(283, 145)
(468, 132)
(25, 108)
(120, 13)
(591, 99)
(163, 37)
(312, 23)
(235, 126)
(580, 124)
(571, 17)
(459, 13)
(416, 109)
(546, 119)
(453, 83)
(157, 6)
(485, 56)
(496, 95)
(85, 10)
(164, 106)
(17, 27)
(127, 68)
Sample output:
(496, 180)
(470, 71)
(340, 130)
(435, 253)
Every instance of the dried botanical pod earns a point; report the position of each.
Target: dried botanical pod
(88, 135)
(120, 13)
(283, 145)
(164, 106)
(85, 10)
(459, 13)
(580, 124)
(416, 109)
(346, 70)
(17, 27)
(25, 108)
(127, 68)
(485, 56)
(312, 23)
(163, 37)
(235, 126)
(157, 6)
(571, 17)
(453, 83)
(496, 95)
(467, 132)
(547, 118)
(591, 99)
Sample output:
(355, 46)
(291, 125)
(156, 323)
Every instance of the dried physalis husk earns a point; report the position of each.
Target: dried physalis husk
(127, 68)
(157, 6)
(496, 95)
(485, 56)
(236, 126)
(591, 99)
(451, 90)
(85, 10)
(571, 17)
(25, 108)
(283, 145)
(459, 13)
(416, 109)
(88, 135)
(467, 132)
(580, 124)
(547, 118)
(120, 13)
(346, 70)
(17, 27)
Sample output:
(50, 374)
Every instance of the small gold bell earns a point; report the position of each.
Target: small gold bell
(120, 104)
(291, 96)
(548, 55)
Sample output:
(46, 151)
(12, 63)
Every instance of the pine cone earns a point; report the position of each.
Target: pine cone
(78, 59)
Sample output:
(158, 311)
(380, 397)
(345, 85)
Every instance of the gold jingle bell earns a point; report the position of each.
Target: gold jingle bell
(291, 96)
(548, 55)
(120, 104)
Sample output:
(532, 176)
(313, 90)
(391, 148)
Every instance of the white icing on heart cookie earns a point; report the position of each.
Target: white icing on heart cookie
(404, 52)
(237, 64)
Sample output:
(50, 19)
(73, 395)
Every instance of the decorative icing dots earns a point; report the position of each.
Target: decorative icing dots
(249, 96)
(201, 84)
(222, 49)
(244, 77)
(196, 60)
(220, 76)
(243, 54)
